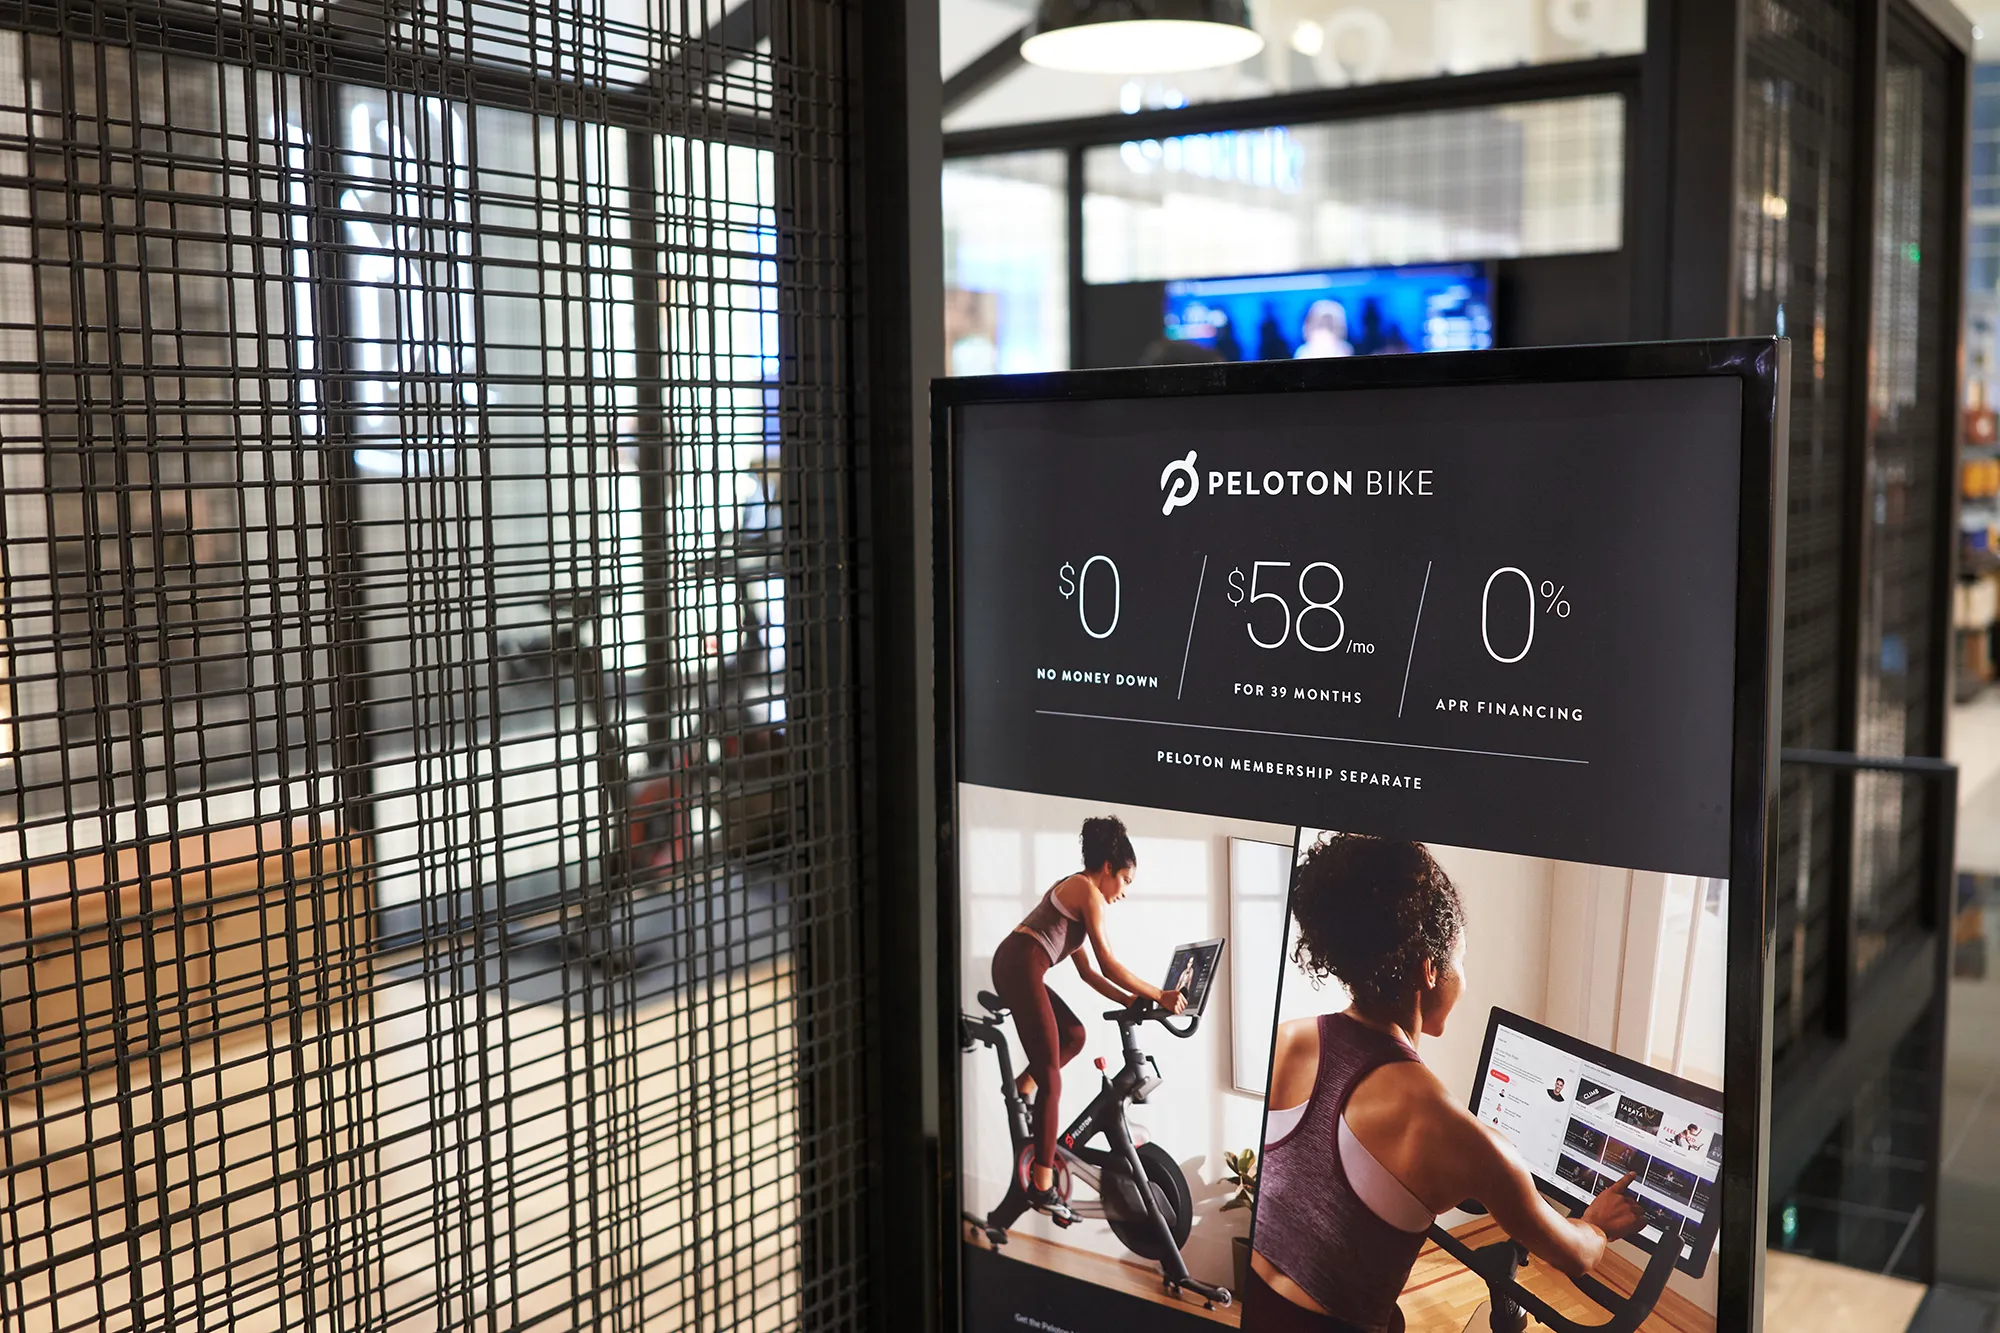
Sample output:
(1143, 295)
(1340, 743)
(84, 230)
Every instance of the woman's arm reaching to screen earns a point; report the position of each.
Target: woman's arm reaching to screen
(1444, 1155)
(1098, 982)
(1107, 962)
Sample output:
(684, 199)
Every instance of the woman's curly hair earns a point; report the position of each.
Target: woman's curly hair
(1370, 911)
(1105, 844)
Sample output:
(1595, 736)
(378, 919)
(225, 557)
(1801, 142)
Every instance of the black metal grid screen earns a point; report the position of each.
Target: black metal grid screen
(1846, 242)
(1910, 443)
(1793, 207)
(428, 883)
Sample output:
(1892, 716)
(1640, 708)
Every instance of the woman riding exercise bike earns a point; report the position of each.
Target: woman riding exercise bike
(1363, 1145)
(1050, 1034)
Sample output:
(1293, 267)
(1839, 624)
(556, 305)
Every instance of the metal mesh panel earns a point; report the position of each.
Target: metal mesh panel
(1908, 442)
(1793, 246)
(428, 882)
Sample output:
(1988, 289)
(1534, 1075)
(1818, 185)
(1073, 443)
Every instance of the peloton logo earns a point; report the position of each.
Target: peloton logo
(1181, 482)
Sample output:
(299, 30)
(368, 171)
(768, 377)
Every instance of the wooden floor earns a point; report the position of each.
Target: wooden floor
(427, 1166)
(1443, 1294)
(1800, 1295)
(1133, 1276)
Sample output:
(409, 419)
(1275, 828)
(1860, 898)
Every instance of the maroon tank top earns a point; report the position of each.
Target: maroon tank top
(1310, 1223)
(1059, 933)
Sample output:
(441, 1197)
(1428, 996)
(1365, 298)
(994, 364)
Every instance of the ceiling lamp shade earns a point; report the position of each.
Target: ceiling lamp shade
(1140, 36)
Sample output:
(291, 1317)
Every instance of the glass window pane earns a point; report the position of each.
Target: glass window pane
(1537, 178)
(1307, 44)
(164, 565)
(490, 340)
(1006, 264)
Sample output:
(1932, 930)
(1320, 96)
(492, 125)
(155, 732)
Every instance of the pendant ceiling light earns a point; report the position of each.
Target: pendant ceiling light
(1140, 36)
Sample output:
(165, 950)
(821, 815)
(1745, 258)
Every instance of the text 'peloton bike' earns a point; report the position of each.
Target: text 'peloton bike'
(1140, 1190)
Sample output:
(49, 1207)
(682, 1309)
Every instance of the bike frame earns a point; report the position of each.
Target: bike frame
(1105, 1115)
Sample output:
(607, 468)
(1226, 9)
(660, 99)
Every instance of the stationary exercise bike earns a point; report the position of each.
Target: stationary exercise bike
(1509, 1303)
(1140, 1190)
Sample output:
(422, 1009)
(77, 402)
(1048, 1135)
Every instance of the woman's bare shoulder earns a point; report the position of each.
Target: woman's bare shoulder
(1072, 888)
(1405, 1095)
(1296, 1043)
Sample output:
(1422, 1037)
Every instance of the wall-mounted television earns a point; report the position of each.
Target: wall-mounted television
(1336, 312)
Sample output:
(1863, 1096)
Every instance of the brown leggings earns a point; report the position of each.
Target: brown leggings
(1051, 1035)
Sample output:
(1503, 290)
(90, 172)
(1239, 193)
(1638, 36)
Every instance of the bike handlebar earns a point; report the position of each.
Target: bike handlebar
(1627, 1312)
(1146, 1011)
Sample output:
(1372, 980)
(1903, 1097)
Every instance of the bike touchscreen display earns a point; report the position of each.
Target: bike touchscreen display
(1583, 1118)
(1433, 685)
(1191, 971)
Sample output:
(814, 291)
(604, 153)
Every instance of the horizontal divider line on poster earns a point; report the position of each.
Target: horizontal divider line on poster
(1312, 736)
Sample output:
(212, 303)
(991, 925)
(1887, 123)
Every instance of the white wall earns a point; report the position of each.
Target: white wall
(1012, 847)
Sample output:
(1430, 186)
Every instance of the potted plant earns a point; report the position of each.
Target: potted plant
(1243, 1175)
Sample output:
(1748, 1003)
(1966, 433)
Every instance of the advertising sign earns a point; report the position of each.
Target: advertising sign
(1355, 780)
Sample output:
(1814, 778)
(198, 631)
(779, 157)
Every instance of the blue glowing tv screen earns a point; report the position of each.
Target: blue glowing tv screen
(1339, 312)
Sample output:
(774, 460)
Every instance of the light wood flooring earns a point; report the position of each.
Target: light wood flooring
(1443, 1294)
(432, 1164)
(1800, 1296)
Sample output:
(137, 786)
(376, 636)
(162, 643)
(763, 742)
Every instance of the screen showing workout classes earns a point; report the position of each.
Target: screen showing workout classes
(1426, 696)
(1584, 1119)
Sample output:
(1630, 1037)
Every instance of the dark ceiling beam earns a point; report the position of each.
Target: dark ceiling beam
(344, 50)
(987, 68)
(1482, 91)
(702, 59)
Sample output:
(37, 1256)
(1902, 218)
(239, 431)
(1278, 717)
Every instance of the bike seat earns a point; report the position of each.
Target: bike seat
(991, 1004)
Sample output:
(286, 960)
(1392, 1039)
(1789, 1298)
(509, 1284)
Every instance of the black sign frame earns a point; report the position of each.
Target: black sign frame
(1762, 368)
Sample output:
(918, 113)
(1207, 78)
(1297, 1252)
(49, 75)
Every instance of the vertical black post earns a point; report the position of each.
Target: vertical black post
(354, 751)
(895, 214)
(1864, 213)
(1649, 139)
(1073, 190)
(1957, 194)
(1696, 84)
(649, 439)
(1940, 904)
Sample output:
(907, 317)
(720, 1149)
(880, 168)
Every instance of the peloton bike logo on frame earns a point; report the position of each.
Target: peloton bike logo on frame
(1180, 482)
